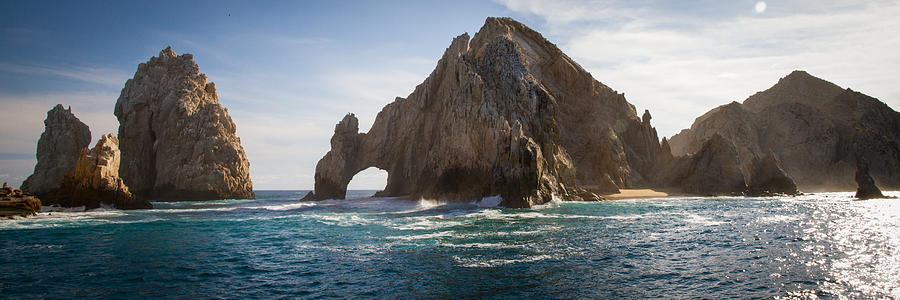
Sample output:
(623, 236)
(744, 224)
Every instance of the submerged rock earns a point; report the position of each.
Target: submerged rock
(866, 185)
(505, 113)
(816, 128)
(177, 141)
(14, 202)
(96, 181)
(57, 150)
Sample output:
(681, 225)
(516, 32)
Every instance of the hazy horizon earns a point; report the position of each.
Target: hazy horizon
(289, 71)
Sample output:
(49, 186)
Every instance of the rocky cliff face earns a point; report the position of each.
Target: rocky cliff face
(505, 113)
(815, 128)
(713, 170)
(95, 180)
(177, 141)
(57, 150)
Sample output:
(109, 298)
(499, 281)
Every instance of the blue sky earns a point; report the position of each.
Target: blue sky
(288, 71)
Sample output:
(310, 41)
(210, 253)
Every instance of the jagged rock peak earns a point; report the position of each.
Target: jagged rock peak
(57, 150)
(96, 180)
(799, 87)
(177, 141)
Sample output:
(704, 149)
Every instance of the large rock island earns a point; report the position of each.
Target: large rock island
(177, 141)
(57, 150)
(503, 113)
(814, 128)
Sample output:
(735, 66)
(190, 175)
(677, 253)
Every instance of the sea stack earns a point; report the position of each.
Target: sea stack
(816, 129)
(57, 150)
(866, 185)
(177, 141)
(503, 113)
(96, 181)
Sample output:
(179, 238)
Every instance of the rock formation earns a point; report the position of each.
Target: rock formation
(505, 113)
(57, 150)
(177, 141)
(16, 203)
(815, 128)
(767, 178)
(95, 180)
(866, 185)
(712, 171)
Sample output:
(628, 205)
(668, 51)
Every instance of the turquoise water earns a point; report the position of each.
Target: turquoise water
(824, 245)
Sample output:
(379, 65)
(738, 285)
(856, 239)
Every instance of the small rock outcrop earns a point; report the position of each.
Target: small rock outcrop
(96, 181)
(866, 185)
(503, 113)
(816, 128)
(767, 178)
(712, 171)
(14, 202)
(177, 141)
(57, 150)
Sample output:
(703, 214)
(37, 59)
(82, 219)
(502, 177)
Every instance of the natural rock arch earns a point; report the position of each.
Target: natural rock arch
(368, 179)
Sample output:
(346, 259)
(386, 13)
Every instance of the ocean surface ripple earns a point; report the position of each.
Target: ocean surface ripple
(812, 246)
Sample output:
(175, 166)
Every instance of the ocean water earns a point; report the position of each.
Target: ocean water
(813, 246)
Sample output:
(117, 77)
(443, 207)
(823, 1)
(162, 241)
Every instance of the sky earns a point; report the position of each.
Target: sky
(289, 71)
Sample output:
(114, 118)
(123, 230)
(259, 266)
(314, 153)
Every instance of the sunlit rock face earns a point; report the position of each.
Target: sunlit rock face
(95, 180)
(816, 129)
(505, 113)
(177, 141)
(57, 150)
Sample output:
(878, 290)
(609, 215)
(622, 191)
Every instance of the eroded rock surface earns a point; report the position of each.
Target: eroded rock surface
(96, 180)
(505, 113)
(14, 202)
(767, 178)
(177, 141)
(57, 150)
(815, 128)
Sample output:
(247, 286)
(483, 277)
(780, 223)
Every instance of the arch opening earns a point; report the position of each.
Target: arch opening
(366, 183)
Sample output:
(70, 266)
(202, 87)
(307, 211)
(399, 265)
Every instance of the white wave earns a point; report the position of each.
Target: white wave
(491, 201)
(289, 206)
(490, 263)
(483, 246)
(427, 223)
(700, 220)
(421, 236)
(343, 220)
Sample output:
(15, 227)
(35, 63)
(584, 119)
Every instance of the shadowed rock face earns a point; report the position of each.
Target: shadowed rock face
(95, 180)
(57, 150)
(177, 141)
(815, 128)
(505, 113)
(713, 170)
(866, 185)
(767, 178)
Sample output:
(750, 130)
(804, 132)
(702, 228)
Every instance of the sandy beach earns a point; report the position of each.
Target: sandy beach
(635, 194)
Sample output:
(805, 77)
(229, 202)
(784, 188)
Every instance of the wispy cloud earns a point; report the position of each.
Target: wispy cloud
(102, 76)
(679, 64)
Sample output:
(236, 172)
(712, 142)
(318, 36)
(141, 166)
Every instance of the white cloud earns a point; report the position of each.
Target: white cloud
(680, 67)
(102, 76)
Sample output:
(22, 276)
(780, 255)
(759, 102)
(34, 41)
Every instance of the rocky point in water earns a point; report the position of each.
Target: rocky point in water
(866, 185)
(57, 150)
(96, 181)
(177, 141)
(816, 129)
(14, 202)
(505, 113)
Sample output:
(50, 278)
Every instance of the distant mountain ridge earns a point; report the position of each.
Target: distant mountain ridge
(816, 129)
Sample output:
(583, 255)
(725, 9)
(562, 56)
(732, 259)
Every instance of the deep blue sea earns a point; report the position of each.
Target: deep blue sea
(813, 246)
